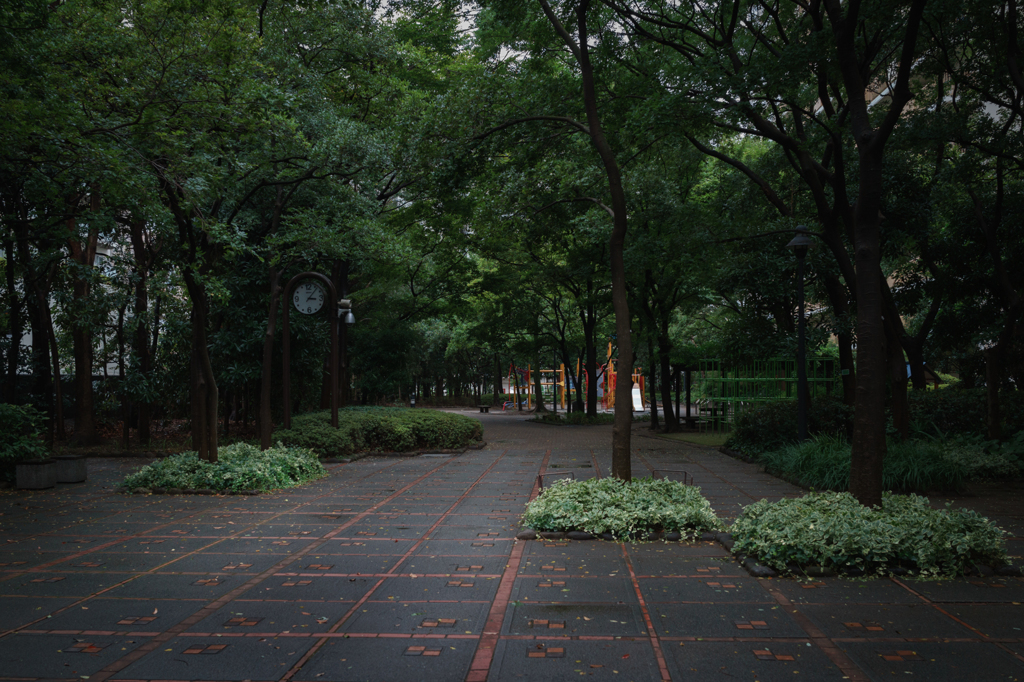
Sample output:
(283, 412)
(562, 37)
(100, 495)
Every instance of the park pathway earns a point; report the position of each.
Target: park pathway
(407, 569)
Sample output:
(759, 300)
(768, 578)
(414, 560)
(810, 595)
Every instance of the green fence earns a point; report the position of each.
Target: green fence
(722, 391)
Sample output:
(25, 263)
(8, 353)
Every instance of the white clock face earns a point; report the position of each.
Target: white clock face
(308, 298)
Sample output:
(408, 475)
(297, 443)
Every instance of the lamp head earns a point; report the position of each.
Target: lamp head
(801, 242)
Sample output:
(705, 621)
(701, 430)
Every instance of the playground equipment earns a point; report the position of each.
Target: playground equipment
(556, 385)
(606, 389)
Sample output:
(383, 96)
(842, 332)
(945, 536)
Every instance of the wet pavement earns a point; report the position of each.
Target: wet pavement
(408, 569)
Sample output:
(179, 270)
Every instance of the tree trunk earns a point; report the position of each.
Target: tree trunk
(994, 360)
(840, 303)
(664, 351)
(868, 442)
(143, 263)
(652, 381)
(539, 402)
(265, 419)
(203, 386)
(589, 325)
(622, 430)
(84, 255)
(14, 304)
(499, 389)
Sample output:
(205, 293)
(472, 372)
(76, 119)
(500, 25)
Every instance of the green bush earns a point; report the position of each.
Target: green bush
(239, 467)
(773, 425)
(954, 411)
(396, 429)
(835, 531)
(624, 509)
(22, 428)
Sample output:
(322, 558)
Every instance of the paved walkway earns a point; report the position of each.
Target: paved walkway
(406, 569)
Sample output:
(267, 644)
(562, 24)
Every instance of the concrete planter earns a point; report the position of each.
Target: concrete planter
(70, 468)
(36, 474)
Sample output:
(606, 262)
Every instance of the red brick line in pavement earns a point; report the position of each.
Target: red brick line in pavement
(666, 676)
(390, 574)
(845, 664)
(136, 654)
(146, 534)
(483, 658)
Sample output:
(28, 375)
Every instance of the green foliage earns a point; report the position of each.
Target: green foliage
(773, 425)
(962, 411)
(833, 530)
(395, 429)
(624, 509)
(21, 426)
(823, 463)
(239, 467)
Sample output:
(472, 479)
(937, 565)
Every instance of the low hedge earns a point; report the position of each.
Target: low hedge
(835, 531)
(21, 426)
(239, 467)
(962, 411)
(773, 425)
(624, 509)
(381, 429)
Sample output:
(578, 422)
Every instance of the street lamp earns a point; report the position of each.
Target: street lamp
(800, 243)
(345, 318)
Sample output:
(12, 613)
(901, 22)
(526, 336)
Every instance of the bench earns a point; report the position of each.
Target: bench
(484, 408)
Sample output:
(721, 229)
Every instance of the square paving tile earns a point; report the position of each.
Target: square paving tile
(456, 566)
(222, 563)
(257, 546)
(972, 590)
(764, 662)
(557, 661)
(146, 615)
(169, 586)
(54, 583)
(395, 660)
(485, 546)
(670, 564)
(344, 563)
(219, 658)
(724, 620)
(715, 589)
(953, 661)
(16, 612)
(540, 620)
(454, 588)
(418, 618)
(994, 620)
(245, 616)
(62, 656)
(565, 590)
(310, 588)
(843, 591)
(884, 620)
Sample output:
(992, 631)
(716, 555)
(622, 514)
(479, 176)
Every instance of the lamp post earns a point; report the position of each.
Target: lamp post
(800, 243)
(345, 318)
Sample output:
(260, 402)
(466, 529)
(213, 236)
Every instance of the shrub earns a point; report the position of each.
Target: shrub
(396, 429)
(772, 425)
(239, 467)
(956, 411)
(833, 530)
(22, 426)
(624, 509)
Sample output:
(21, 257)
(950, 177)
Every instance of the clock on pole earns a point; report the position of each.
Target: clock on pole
(308, 298)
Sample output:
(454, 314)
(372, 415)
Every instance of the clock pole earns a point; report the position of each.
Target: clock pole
(286, 378)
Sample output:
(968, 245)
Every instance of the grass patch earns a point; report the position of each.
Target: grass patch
(835, 531)
(381, 429)
(707, 439)
(239, 467)
(624, 509)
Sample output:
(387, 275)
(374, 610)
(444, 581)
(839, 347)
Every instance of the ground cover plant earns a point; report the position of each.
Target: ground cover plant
(381, 429)
(833, 530)
(239, 467)
(626, 509)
